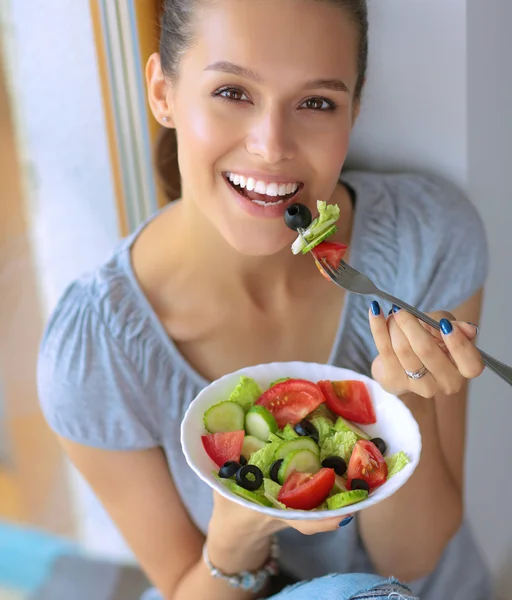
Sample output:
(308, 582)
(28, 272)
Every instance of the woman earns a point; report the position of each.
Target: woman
(268, 91)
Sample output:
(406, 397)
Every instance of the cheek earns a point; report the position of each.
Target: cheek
(328, 152)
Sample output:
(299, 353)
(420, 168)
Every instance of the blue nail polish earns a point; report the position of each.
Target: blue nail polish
(446, 326)
(390, 312)
(375, 308)
(346, 521)
(395, 308)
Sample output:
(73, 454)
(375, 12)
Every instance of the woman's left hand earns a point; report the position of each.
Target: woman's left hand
(405, 344)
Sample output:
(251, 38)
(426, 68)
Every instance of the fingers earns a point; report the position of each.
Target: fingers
(406, 344)
(413, 340)
(323, 526)
(465, 355)
(392, 375)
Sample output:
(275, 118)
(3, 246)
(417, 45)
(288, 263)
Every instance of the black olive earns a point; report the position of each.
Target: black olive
(229, 469)
(249, 477)
(243, 460)
(297, 216)
(381, 445)
(336, 463)
(359, 484)
(305, 428)
(274, 470)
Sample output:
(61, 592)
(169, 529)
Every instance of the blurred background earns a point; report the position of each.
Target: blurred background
(76, 176)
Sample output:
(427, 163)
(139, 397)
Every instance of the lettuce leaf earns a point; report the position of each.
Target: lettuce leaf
(396, 462)
(341, 443)
(246, 392)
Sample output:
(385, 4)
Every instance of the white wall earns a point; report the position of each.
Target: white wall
(74, 220)
(60, 120)
(438, 100)
(489, 169)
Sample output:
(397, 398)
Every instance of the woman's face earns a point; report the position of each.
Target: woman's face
(263, 107)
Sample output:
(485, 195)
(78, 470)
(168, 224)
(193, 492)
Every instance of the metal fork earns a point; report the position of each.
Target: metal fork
(353, 281)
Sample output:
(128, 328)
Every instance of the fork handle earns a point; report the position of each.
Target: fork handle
(500, 368)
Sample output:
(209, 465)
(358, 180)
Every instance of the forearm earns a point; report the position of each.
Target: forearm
(406, 534)
(231, 555)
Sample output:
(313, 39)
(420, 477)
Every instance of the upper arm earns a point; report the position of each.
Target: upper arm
(451, 410)
(137, 491)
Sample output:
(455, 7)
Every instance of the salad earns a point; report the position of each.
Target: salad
(297, 445)
(314, 233)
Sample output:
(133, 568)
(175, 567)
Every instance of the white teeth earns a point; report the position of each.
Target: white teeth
(261, 203)
(261, 187)
(272, 190)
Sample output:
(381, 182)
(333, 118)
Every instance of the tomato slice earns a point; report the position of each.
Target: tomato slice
(349, 399)
(305, 491)
(291, 401)
(367, 463)
(222, 447)
(332, 252)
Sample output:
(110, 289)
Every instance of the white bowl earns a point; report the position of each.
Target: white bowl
(395, 424)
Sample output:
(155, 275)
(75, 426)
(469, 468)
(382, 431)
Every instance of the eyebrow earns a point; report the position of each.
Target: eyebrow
(336, 85)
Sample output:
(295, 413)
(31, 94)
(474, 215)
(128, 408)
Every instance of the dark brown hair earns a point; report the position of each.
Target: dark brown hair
(177, 36)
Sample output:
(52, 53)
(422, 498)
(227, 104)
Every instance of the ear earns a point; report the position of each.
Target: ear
(158, 91)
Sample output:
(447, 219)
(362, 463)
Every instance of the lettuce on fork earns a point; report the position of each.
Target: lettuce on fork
(320, 229)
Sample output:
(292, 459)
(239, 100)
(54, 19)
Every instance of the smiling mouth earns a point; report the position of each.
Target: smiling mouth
(261, 192)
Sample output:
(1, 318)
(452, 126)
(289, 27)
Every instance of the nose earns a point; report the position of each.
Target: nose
(271, 137)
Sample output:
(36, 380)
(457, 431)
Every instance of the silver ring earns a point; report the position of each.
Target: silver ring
(417, 374)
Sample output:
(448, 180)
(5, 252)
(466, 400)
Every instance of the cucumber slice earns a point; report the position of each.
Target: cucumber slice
(320, 238)
(303, 461)
(301, 443)
(260, 423)
(247, 494)
(346, 498)
(344, 425)
(251, 445)
(225, 416)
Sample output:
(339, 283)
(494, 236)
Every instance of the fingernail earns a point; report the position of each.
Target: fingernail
(390, 312)
(375, 308)
(395, 308)
(345, 521)
(475, 326)
(446, 326)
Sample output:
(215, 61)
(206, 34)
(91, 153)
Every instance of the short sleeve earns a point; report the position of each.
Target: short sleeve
(443, 251)
(89, 391)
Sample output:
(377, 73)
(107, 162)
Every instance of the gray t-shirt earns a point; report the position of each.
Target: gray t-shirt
(109, 376)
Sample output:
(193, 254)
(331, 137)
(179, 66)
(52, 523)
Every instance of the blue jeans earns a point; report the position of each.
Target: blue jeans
(353, 586)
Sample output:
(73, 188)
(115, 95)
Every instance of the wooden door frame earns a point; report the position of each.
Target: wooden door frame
(146, 14)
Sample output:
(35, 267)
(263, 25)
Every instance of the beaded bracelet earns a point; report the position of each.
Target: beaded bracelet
(251, 581)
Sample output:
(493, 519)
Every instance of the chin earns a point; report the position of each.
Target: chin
(255, 241)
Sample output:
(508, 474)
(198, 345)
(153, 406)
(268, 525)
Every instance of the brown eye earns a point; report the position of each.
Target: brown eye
(319, 104)
(233, 94)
